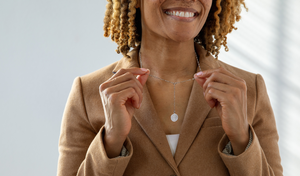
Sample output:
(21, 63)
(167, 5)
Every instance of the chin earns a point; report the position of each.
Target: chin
(182, 37)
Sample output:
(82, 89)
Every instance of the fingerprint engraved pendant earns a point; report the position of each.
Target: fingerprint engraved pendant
(174, 117)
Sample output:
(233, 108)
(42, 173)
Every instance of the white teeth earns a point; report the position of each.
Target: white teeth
(180, 14)
(187, 14)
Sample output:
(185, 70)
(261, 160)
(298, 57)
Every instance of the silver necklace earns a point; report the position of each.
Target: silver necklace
(174, 116)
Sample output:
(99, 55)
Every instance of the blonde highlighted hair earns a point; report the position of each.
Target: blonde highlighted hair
(122, 22)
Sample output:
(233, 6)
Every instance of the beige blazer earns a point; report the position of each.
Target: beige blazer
(201, 140)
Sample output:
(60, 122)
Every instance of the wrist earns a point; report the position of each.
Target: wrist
(240, 142)
(113, 138)
(113, 144)
(114, 133)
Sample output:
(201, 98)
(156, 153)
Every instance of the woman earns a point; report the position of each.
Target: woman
(168, 107)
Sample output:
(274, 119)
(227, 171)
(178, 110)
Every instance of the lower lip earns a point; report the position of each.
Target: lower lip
(185, 19)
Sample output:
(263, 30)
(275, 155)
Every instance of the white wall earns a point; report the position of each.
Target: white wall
(268, 42)
(44, 45)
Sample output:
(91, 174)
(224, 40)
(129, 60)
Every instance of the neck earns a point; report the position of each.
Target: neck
(173, 61)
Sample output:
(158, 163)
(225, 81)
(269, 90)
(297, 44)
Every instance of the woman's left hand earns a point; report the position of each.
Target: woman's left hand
(228, 94)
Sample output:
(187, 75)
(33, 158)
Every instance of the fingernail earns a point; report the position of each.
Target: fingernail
(144, 69)
(199, 74)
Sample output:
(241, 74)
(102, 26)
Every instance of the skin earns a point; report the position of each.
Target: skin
(228, 94)
(166, 40)
(121, 95)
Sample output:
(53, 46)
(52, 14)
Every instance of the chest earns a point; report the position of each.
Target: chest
(166, 99)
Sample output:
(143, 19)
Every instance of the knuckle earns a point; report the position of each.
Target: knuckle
(211, 91)
(231, 98)
(107, 92)
(122, 70)
(243, 81)
(113, 97)
(210, 84)
(235, 91)
(113, 79)
(244, 84)
(132, 82)
(131, 90)
(214, 75)
(102, 86)
(129, 75)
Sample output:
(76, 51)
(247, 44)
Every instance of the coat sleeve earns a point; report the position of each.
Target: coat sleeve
(262, 157)
(81, 148)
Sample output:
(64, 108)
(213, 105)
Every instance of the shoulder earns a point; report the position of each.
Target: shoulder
(88, 88)
(248, 77)
(256, 88)
(89, 84)
(253, 82)
(209, 62)
(99, 76)
(94, 79)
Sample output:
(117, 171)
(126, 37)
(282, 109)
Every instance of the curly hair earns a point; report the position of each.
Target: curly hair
(122, 22)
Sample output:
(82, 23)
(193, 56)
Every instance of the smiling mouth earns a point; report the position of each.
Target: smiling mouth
(181, 13)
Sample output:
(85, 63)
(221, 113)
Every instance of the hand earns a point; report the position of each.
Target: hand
(120, 95)
(228, 94)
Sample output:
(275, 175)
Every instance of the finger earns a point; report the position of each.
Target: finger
(210, 100)
(199, 80)
(125, 95)
(220, 78)
(133, 70)
(208, 73)
(122, 78)
(214, 95)
(143, 78)
(219, 86)
(229, 90)
(125, 85)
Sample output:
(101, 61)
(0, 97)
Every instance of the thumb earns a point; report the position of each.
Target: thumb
(200, 81)
(212, 103)
(143, 78)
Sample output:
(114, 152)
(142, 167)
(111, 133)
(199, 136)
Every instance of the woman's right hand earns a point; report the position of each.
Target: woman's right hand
(120, 95)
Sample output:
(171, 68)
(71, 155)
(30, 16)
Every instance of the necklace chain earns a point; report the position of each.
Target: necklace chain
(174, 116)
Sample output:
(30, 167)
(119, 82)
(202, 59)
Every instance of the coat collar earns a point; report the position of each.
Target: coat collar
(196, 112)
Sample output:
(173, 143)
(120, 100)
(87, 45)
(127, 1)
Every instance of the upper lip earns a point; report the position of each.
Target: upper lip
(181, 9)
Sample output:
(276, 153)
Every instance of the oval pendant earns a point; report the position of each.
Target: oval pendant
(174, 117)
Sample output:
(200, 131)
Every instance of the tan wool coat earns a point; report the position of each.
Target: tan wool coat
(201, 140)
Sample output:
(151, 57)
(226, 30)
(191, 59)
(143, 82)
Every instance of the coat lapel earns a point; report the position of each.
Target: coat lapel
(148, 119)
(197, 109)
(146, 116)
(195, 114)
